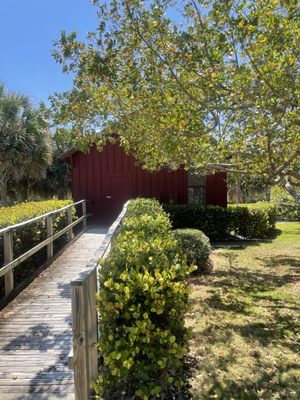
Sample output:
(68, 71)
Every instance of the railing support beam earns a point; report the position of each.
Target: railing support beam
(49, 224)
(84, 214)
(8, 257)
(70, 232)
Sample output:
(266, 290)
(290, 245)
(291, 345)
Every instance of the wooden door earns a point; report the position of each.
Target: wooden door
(117, 189)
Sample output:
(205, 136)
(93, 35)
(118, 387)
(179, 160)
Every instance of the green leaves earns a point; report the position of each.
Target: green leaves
(195, 246)
(142, 301)
(248, 220)
(25, 142)
(24, 211)
(212, 81)
(32, 234)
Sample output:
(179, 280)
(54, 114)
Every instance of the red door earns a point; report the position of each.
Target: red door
(117, 189)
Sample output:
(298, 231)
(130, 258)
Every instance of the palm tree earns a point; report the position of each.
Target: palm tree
(25, 141)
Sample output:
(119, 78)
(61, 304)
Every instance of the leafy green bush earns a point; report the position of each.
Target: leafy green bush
(255, 220)
(214, 221)
(142, 302)
(287, 207)
(195, 245)
(248, 220)
(143, 206)
(24, 211)
(26, 237)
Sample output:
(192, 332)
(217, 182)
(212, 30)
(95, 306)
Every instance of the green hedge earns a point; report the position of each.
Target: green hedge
(247, 220)
(195, 246)
(211, 220)
(142, 302)
(30, 235)
(24, 211)
(142, 206)
(255, 220)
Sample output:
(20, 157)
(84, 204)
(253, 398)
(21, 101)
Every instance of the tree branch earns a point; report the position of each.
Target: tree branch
(288, 162)
(162, 59)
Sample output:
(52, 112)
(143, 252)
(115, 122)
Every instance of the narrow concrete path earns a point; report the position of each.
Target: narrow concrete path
(36, 328)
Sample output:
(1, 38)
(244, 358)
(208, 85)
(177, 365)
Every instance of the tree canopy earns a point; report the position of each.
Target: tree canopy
(191, 82)
(25, 141)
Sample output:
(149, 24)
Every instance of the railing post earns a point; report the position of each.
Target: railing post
(49, 224)
(8, 257)
(69, 215)
(85, 333)
(80, 347)
(92, 325)
(84, 214)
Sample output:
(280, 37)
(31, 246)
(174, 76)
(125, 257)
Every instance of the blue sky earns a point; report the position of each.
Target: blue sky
(27, 31)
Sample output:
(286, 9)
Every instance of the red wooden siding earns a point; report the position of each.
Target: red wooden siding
(111, 177)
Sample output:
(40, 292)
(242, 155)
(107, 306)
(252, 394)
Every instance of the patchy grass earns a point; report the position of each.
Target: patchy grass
(245, 321)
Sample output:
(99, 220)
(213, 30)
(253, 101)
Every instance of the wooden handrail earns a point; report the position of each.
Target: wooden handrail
(83, 358)
(38, 247)
(39, 217)
(10, 263)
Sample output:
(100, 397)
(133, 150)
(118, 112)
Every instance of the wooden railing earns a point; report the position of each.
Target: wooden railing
(10, 263)
(83, 358)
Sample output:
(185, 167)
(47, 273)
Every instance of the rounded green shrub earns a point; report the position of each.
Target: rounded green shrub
(195, 246)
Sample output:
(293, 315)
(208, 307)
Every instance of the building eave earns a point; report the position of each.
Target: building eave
(67, 155)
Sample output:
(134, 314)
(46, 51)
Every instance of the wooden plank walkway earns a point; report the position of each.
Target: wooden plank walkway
(36, 328)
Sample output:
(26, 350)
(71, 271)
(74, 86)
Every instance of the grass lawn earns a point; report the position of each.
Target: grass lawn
(245, 321)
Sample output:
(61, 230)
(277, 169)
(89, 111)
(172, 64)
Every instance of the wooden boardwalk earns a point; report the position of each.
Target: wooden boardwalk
(36, 328)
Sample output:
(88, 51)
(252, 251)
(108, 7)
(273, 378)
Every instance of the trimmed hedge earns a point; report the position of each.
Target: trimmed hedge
(212, 220)
(218, 223)
(143, 206)
(29, 236)
(255, 220)
(25, 211)
(195, 245)
(142, 301)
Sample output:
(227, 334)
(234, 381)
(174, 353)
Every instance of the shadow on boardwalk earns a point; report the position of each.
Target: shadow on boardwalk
(36, 329)
(55, 376)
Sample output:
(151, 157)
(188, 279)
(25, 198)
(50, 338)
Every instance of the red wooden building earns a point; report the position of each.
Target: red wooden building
(110, 177)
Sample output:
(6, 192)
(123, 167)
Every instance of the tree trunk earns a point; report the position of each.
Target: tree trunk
(3, 192)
